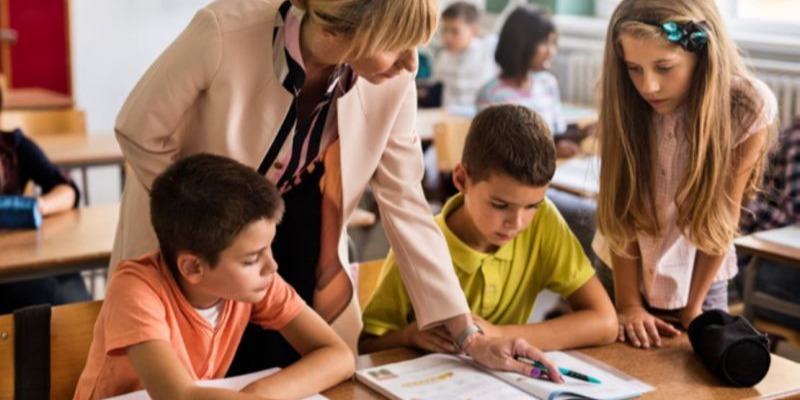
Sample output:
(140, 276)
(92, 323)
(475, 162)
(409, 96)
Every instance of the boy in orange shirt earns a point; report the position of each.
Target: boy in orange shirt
(177, 315)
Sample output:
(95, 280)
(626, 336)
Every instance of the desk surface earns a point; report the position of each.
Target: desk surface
(773, 251)
(65, 242)
(35, 99)
(81, 150)
(673, 369)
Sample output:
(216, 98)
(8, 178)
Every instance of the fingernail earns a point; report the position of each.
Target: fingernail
(535, 372)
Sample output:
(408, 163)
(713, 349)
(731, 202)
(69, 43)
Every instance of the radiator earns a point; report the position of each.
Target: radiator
(578, 75)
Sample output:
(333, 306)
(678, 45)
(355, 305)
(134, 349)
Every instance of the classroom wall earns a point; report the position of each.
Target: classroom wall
(113, 43)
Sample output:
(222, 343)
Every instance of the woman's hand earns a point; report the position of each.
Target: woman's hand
(488, 328)
(641, 328)
(435, 340)
(503, 354)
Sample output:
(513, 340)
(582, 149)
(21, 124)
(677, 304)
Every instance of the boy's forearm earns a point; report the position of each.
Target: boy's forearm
(577, 329)
(390, 340)
(317, 371)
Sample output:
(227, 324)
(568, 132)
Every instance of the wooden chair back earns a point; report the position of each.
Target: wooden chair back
(71, 333)
(45, 122)
(448, 140)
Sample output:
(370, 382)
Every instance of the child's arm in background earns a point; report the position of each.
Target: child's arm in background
(326, 360)
(60, 198)
(593, 322)
(435, 340)
(636, 325)
(706, 265)
(164, 377)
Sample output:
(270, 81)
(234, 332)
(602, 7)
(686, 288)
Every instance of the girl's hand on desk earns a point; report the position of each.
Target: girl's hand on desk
(641, 328)
(436, 340)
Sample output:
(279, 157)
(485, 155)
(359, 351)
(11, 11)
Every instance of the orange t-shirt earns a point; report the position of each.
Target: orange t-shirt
(144, 303)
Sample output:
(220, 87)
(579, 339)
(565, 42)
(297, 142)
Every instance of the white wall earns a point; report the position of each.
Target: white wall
(113, 43)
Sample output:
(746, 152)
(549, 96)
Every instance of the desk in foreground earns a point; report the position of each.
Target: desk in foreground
(72, 241)
(674, 370)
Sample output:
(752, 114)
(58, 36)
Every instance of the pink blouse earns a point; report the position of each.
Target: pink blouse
(668, 258)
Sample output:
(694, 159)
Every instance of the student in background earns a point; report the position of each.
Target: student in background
(465, 63)
(176, 315)
(777, 205)
(508, 243)
(525, 50)
(683, 139)
(21, 162)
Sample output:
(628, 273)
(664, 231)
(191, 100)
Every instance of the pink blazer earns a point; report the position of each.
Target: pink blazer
(214, 90)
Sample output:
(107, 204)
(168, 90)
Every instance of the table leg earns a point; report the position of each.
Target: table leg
(751, 276)
(85, 182)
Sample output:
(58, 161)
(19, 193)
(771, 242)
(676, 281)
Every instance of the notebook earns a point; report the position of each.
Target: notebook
(233, 383)
(788, 236)
(443, 376)
(579, 174)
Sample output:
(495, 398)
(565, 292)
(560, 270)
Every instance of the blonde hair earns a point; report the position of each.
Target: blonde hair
(626, 203)
(375, 25)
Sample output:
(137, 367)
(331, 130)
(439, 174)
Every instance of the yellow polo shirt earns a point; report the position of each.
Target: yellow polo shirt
(502, 286)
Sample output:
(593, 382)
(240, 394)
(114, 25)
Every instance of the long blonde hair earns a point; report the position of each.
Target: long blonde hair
(375, 25)
(626, 202)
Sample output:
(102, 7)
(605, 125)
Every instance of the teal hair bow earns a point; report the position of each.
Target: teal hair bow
(691, 36)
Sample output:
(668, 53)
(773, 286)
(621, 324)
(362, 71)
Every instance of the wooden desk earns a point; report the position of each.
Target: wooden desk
(73, 241)
(83, 151)
(762, 249)
(35, 99)
(674, 370)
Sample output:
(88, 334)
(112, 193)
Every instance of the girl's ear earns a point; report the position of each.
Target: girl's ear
(190, 267)
(460, 178)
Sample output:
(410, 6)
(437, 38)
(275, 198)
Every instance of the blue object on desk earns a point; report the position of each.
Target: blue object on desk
(19, 212)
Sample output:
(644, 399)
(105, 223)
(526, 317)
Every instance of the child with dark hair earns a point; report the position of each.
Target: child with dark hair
(176, 315)
(508, 243)
(22, 162)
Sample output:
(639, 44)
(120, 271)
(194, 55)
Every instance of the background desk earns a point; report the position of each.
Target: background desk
(762, 249)
(35, 99)
(673, 369)
(83, 151)
(73, 241)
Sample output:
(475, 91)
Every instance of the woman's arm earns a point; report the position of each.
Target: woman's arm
(152, 113)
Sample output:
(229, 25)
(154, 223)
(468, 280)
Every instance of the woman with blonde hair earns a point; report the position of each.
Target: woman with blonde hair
(684, 130)
(319, 97)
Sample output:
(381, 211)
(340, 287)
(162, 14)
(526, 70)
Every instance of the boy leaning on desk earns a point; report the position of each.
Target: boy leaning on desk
(508, 243)
(176, 315)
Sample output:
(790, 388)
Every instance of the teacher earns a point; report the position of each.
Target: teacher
(319, 97)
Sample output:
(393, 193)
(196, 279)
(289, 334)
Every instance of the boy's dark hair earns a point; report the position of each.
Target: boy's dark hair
(461, 9)
(200, 203)
(525, 29)
(512, 140)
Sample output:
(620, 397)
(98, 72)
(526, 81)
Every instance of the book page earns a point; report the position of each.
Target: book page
(788, 236)
(614, 384)
(235, 383)
(437, 376)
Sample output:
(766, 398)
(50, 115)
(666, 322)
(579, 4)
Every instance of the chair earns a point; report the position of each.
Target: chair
(71, 332)
(368, 274)
(448, 139)
(45, 122)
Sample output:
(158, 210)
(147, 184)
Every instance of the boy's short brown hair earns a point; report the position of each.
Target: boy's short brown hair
(512, 140)
(461, 10)
(200, 203)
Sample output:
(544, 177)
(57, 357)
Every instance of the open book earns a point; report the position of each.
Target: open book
(442, 376)
(579, 175)
(232, 383)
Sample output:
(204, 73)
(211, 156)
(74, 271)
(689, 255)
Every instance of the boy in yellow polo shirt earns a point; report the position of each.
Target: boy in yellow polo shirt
(508, 243)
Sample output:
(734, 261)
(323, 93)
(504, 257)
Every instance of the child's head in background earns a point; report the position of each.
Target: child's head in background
(662, 56)
(506, 167)
(459, 26)
(527, 42)
(215, 220)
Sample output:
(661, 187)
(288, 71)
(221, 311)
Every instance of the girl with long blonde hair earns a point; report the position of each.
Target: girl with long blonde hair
(684, 133)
